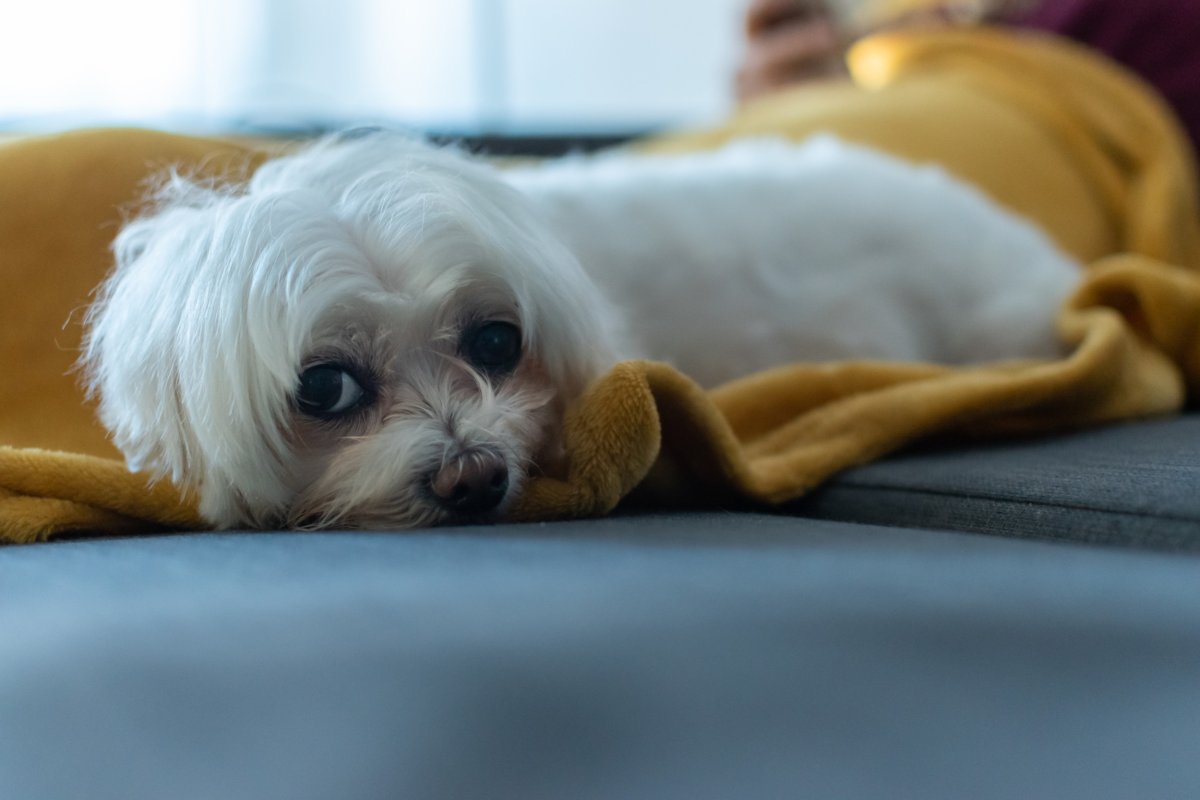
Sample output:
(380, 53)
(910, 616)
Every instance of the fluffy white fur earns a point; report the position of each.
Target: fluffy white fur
(380, 251)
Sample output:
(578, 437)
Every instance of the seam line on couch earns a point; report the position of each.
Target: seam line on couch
(1013, 500)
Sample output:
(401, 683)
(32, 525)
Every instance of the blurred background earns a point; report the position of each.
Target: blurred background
(509, 67)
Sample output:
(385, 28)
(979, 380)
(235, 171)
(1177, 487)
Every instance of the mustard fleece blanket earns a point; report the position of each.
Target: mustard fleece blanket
(1051, 131)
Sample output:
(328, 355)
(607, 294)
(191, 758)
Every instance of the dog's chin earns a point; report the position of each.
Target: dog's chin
(414, 518)
(451, 519)
(421, 514)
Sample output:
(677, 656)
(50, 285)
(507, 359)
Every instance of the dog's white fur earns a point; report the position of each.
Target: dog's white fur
(379, 251)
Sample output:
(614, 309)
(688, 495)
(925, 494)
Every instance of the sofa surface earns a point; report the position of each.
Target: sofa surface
(710, 655)
(1135, 485)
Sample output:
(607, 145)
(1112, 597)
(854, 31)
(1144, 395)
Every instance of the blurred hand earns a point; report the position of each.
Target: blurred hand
(788, 42)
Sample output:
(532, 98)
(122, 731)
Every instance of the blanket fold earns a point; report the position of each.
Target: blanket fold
(1047, 129)
(45, 493)
(773, 436)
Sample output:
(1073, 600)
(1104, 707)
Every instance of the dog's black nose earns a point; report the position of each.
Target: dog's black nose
(473, 483)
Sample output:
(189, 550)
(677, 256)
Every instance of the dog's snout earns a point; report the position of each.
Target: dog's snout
(473, 483)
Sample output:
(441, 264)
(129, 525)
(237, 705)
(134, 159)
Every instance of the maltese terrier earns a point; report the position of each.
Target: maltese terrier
(377, 332)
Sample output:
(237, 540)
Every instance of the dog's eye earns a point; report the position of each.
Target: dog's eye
(494, 347)
(327, 390)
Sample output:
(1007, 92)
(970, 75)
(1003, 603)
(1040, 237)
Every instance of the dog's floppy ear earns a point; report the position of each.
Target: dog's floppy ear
(571, 325)
(192, 367)
(130, 358)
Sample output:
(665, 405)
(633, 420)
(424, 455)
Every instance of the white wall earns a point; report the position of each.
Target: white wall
(516, 65)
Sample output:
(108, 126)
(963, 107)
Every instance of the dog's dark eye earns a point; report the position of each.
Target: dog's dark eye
(328, 390)
(494, 347)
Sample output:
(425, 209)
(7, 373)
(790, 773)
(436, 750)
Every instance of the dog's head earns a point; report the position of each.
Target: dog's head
(371, 332)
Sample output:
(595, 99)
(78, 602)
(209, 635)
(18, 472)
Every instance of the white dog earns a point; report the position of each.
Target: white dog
(374, 332)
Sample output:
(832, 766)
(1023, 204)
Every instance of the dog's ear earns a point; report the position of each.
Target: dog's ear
(572, 328)
(130, 359)
(190, 351)
(568, 323)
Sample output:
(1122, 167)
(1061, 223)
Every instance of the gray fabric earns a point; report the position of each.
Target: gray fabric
(690, 656)
(1136, 484)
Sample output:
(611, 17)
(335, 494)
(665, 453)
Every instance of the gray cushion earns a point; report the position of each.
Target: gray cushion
(690, 656)
(1135, 484)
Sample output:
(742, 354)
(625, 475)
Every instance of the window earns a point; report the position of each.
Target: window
(458, 65)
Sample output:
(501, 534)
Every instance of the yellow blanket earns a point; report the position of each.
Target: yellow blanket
(1047, 129)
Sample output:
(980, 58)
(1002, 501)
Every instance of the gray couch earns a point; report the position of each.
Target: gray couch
(867, 642)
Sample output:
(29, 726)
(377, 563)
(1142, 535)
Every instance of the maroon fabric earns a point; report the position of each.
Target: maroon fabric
(1157, 39)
